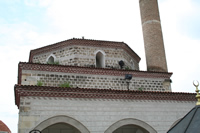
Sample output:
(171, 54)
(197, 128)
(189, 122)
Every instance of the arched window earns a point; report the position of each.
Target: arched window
(50, 60)
(63, 122)
(130, 129)
(132, 65)
(130, 125)
(61, 128)
(100, 61)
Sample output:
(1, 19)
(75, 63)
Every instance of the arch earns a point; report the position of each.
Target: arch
(175, 123)
(130, 129)
(130, 121)
(51, 59)
(62, 119)
(60, 128)
(100, 51)
(100, 58)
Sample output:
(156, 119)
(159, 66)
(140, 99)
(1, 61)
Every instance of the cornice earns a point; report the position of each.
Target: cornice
(47, 91)
(88, 70)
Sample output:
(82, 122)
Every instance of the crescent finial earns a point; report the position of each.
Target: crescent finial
(196, 85)
(197, 91)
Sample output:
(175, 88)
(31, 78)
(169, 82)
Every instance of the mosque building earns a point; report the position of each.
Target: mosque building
(94, 86)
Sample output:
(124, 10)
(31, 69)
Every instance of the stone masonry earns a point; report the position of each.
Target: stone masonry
(55, 75)
(78, 54)
(93, 81)
(85, 56)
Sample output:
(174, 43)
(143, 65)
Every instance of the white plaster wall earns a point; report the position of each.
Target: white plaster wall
(97, 115)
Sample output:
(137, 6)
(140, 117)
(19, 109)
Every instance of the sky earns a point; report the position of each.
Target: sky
(30, 24)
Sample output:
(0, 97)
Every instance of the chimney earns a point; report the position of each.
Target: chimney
(152, 34)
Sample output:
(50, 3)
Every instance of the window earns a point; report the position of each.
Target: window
(132, 65)
(100, 59)
(50, 60)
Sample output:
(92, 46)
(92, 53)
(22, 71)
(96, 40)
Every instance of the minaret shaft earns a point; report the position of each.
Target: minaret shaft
(153, 38)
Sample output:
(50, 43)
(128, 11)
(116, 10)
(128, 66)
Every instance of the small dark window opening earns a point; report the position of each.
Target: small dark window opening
(99, 60)
(51, 60)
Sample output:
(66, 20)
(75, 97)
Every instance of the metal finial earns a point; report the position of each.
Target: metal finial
(197, 91)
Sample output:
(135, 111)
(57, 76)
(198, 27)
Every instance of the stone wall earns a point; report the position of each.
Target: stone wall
(86, 56)
(30, 77)
(97, 115)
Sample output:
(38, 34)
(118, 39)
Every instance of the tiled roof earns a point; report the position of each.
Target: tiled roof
(3, 127)
(88, 70)
(47, 91)
(84, 42)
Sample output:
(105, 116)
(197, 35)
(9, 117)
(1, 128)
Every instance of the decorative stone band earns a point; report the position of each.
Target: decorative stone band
(150, 22)
(88, 70)
(84, 42)
(47, 91)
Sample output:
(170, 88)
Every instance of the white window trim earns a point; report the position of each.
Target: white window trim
(55, 59)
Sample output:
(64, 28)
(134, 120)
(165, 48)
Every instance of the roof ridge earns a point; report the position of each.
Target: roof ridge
(106, 41)
(97, 40)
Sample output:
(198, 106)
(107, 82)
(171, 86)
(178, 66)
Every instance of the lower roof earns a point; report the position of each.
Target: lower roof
(189, 123)
(48, 91)
(3, 127)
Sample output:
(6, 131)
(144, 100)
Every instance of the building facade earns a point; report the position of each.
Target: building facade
(98, 97)
(95, 86)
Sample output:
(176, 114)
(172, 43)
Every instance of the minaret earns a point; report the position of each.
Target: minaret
(153, 38)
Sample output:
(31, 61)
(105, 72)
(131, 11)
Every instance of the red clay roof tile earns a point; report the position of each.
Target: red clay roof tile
(47, 91)
(3, 127)
(84, 42)
(87, 70)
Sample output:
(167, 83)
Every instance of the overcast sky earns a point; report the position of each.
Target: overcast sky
(30, 24)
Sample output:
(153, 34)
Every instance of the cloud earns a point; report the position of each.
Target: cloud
(31, 2)
(112, 20)
(181, 49)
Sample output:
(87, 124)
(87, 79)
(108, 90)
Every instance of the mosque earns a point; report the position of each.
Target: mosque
(94, 86)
